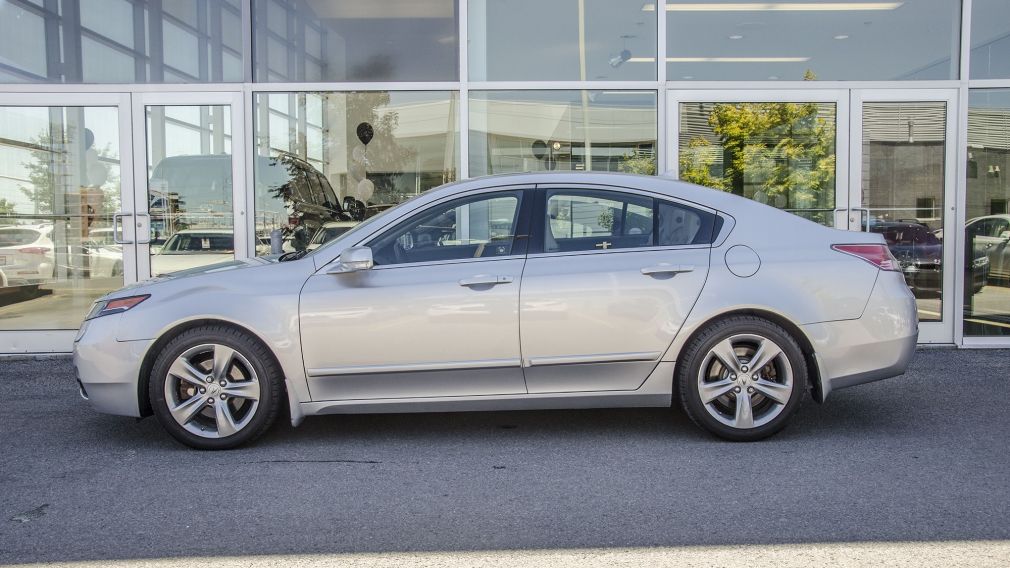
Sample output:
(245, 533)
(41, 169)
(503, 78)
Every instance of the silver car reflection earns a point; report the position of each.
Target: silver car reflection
(528, 291)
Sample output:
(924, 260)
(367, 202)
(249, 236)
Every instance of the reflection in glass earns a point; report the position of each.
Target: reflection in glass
(326, 161)
(987, 232)
(718, 40)
(355, 40)
(990, 39)
(522, 131)
(59, 188)
(902, 185)
(120, 41)
(189, 186)
(561, 40)
(780, 154)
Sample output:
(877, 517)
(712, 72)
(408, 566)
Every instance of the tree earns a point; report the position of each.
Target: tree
(782, 154)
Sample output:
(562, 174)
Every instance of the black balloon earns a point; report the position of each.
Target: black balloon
(365, 133)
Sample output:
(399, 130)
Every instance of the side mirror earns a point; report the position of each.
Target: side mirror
(353, 260)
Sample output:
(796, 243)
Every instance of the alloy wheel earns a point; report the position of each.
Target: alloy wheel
(745, 381)
(212, 391)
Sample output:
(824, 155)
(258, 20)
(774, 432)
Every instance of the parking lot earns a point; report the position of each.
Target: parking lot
(916, 467)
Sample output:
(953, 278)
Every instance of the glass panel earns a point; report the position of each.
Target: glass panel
(597, 220)
(716, 40)
(780, 154)
(189, 186)
(59, 188)
(200, 42)
(990, 39)
(328, 160)
(562, 40)
(521, 131)
(470, 228)
(355, 40)
(987, 232)
(902, 189)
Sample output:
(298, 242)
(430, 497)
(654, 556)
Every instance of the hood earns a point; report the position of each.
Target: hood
(217, 267)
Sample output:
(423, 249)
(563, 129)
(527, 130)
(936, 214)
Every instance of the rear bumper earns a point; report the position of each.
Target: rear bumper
(878, 345)
(108, 370)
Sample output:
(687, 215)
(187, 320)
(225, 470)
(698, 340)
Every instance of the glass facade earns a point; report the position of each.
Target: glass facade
(121, 41)
(844, 113)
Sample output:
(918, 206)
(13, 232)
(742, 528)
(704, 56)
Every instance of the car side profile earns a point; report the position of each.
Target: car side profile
(525, 291)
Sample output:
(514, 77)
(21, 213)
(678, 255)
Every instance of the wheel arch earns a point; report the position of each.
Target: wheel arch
(147, 363)
(809, 354)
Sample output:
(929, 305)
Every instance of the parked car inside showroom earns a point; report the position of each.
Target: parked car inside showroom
(26, 257)
(668, 293)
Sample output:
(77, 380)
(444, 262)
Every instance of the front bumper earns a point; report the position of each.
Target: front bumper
(108, 370)
(878, 345)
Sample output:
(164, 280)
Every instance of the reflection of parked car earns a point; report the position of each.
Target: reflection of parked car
(330, 231)
(26, 255)
(920, 254)
(190, 248)
(303, 193)
(990, 235)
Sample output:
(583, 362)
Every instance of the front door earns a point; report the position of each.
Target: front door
(438, 314)
(189, 190)
(610, 278)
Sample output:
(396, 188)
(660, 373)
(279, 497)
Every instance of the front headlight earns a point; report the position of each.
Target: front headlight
(116, 306)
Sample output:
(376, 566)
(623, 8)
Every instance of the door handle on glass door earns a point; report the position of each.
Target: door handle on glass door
(667, 269)
(485, 280)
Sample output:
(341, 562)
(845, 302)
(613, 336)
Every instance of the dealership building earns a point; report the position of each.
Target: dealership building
(139, 137)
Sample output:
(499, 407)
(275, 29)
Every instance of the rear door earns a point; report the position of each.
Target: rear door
(609, 280)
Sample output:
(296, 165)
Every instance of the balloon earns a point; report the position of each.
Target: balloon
(356, 170)
(365, 190)
(358, 155)
(539, 149)
(365, 133)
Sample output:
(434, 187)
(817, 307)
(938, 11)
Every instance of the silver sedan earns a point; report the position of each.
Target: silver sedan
(528, 291)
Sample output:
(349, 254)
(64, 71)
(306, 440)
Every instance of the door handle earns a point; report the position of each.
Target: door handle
(117, 229)
(667, 269)
(484, 280)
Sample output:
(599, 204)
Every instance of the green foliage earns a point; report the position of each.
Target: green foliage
(635, 163)
(781, 153)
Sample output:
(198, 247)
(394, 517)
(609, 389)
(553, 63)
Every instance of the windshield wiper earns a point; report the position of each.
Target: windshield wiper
(293, 255)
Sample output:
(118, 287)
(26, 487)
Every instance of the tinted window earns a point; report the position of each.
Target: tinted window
(182, 243)
(601, 220)
(474, 227)
(13, 237)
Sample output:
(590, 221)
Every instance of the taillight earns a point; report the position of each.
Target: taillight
(33, 250)
(877, 255)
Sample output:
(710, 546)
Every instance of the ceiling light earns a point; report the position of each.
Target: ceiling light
(841, 36)
(722, 59)
(777, 7)
(736, 36)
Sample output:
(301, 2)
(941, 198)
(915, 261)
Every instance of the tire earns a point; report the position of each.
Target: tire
(236, 406)
(774, 391)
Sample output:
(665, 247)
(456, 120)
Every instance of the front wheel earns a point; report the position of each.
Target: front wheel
(215, 388)
(742, 378)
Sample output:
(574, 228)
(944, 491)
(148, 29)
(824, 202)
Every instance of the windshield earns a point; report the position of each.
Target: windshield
(909, 235)
(14, 237)
(365, 224)
(327, 234)
(196, 243)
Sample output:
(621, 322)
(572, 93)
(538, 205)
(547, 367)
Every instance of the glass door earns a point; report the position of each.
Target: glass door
(902, 151)
(781, 148)
(190, 190)
(64, 189)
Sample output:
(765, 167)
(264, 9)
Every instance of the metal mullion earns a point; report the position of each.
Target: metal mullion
(961, 177)
(663, 135)
(463, 108)
(246, 50)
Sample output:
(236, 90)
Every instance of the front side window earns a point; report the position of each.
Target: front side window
(582, 220)
(473, 227)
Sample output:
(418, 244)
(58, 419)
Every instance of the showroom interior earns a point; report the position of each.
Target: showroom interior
(140, 137)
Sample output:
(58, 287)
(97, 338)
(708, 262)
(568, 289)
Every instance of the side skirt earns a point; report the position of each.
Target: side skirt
(656, 391)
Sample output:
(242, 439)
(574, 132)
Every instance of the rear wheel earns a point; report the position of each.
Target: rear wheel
(215, 388)
(742, 378)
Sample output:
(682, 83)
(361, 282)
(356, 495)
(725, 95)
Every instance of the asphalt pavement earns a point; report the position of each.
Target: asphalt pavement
(916, 467)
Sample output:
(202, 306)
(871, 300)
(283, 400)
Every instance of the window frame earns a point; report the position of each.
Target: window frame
(521, 238)
(539, 212)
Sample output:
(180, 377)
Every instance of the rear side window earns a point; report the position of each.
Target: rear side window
(580, 220)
